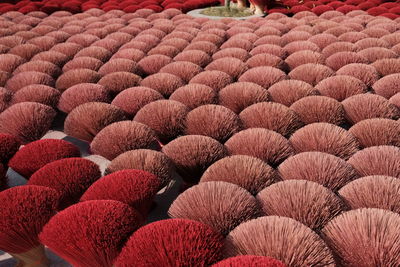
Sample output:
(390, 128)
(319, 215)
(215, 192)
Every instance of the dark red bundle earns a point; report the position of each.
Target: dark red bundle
(9, 145)
(250, 260)
(91, 233)
(35, 155)
(70, 177)
(136, 188)
(25, 210)
(376, 11)
(172, 243)
(3, 177)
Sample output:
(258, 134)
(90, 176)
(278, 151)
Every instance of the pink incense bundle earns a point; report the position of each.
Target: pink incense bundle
(221, 205)
(8, 147)
(377, 160)
(261, 143)
(365, 237)
(325, 137)
(86, 120)
(318, 108)
(195, 95)
(271, 116)
(378, 131)
(215, 121)
(193, 154)
(148, 160)
(328, 170)
(375, 191)
(123, 136)
(28, 121)
(248, 172)
(305, 201)
(240, 95)
(283, 238)
(165, 117)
